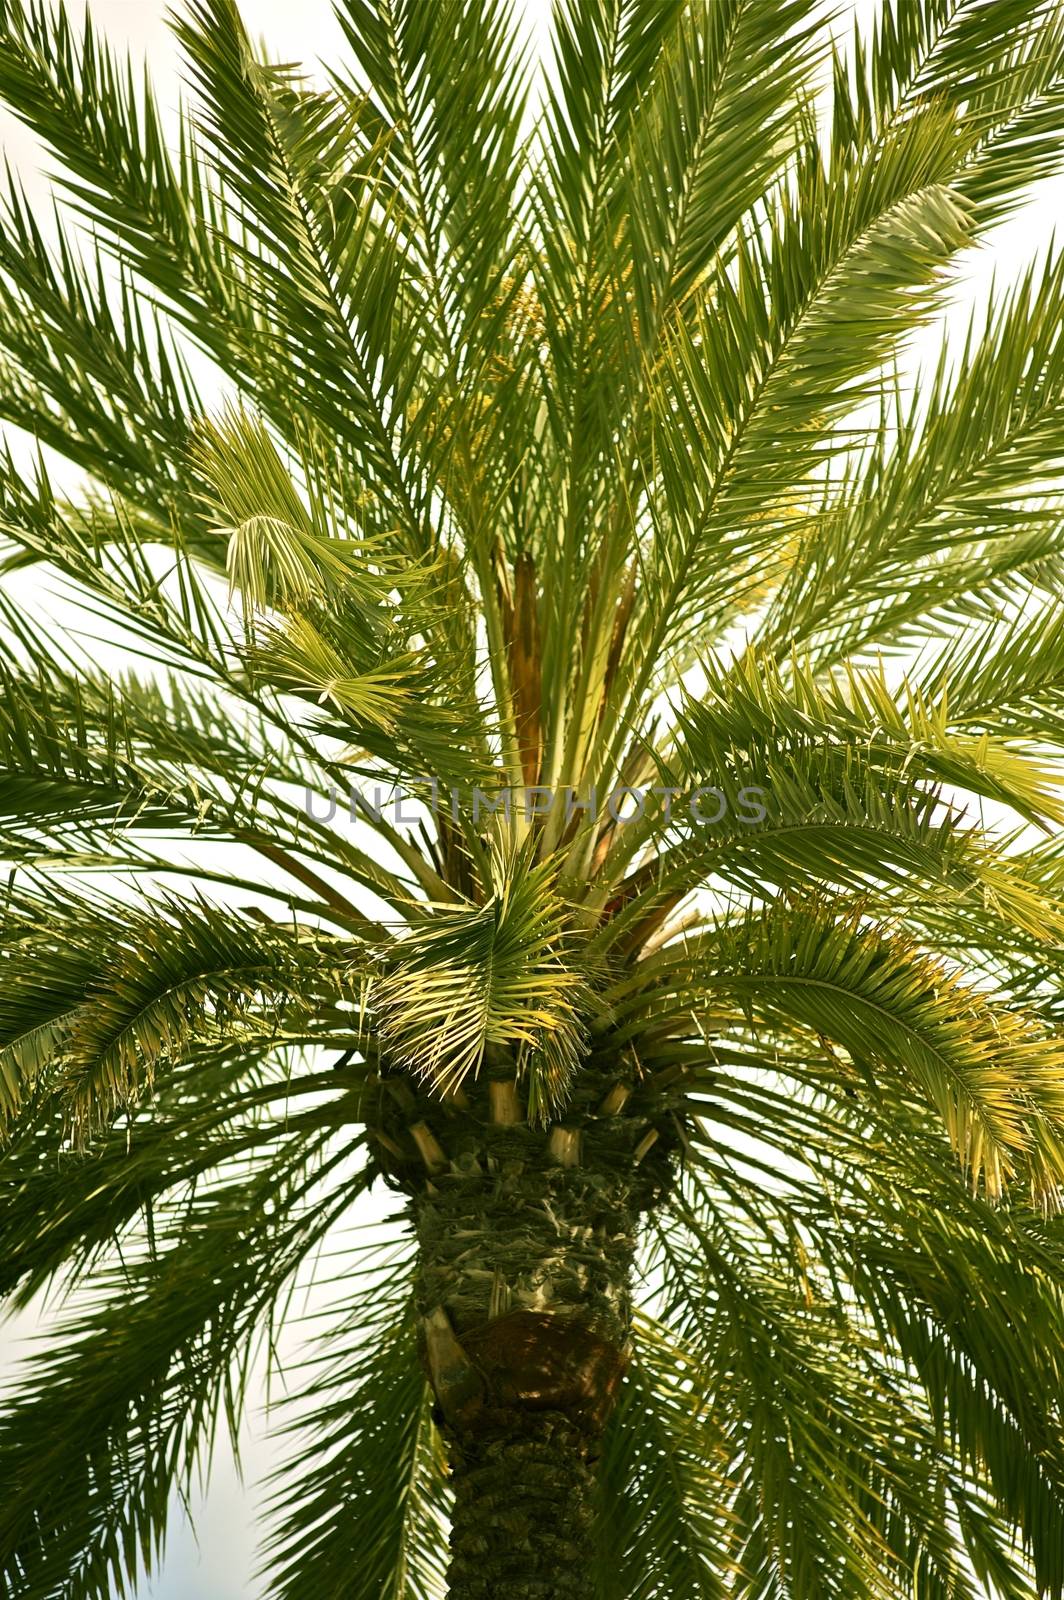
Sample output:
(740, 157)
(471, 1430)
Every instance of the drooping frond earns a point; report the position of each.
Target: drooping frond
(476, 979)
(104, 1427)
(991, 1075)
(907, 1255)
(65, 1207)
(663, 1517)
(896, 728)
(140, 988)
(365, 1440)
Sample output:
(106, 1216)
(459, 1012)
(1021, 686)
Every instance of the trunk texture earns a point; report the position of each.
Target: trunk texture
(526, 1241)
(523, 1511)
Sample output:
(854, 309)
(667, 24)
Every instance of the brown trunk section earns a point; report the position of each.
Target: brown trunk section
(523, 1510)
(526, 1241)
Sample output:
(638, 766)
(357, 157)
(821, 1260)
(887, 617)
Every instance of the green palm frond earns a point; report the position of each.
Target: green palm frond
(105, 1427)
(888, 218)
(782, 1356)
(716, 130)
(144, 987)
(603, 53)
(104, 384)
(663, 1517)
(905, 1248)
(366, 1440)
(955, 494)
(490, 978)
(63, 776)
(186, 977)
(64, 1207)
(754, 699)
(450, 86)
(101, 120)
(978, 668)
(886, 836)
(278, 554)
(85, 761)
(823, 1430)
(334, 309)
(990, 1074)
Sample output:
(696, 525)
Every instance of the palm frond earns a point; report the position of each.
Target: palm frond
(365, 1439)
(334, 312)
(146, 986)
(66, 1208)
(450, 84)
(956, 494)
(663, 1516)
(489, 977)
(754, 699)
(93, 372)
(727, 72)
(106, 1425)
(989, 1073)
(899, 1252)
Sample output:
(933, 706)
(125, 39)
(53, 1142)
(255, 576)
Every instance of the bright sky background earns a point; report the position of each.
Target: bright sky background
(217, 1563)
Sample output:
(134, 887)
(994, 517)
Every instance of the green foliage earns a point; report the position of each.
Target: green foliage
(875, 1316)
(495, 976)
(564, 451)
(114, 1419)
(142, 987)
(987, 1073)
(369, 1444)
(662, 1516)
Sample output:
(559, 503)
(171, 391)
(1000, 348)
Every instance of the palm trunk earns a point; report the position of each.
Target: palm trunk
(523, 1511)
(526, 1241)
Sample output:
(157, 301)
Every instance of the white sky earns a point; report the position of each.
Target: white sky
(220, 1565)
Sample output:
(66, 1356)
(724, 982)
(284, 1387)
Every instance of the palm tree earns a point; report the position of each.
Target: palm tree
(704, 1033)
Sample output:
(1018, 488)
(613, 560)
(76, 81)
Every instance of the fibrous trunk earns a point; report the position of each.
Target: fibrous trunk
(526, 1241)
(523, 1518)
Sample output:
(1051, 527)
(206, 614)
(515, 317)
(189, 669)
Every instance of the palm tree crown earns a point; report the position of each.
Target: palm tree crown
(707, 1035)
